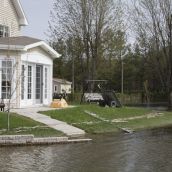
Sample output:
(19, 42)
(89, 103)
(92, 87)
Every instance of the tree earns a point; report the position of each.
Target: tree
(12, 78)
(84, 25)
(153, 26)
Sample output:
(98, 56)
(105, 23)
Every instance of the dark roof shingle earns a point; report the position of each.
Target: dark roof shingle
(20, 41)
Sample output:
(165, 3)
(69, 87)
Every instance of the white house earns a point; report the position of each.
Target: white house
(61, 85)
(26, 63)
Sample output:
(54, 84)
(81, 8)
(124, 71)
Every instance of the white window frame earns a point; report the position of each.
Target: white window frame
(7, 78)
(23, 82)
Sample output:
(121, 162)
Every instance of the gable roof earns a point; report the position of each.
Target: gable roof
(20, 40)
(19, 10)
(24, 43)
(62, 81)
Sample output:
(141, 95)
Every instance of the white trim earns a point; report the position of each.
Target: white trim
(22, 18)
(45, 46)
(11, 47)
(42, 44)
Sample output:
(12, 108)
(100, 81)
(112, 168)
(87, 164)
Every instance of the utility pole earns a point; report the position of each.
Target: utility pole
(122, 77)
(122, 80)
(73, 75)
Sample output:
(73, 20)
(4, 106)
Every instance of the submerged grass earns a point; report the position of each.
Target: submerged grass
(78, 117)
(148, 123)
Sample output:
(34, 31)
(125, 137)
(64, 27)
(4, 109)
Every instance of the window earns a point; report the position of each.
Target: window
(6, 79)
(4, 31)
(22, 81)
(46, 84)
(55, 88)
(29, 92)
(38, 82)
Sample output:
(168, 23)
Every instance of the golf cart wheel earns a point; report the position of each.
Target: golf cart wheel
(113, 104)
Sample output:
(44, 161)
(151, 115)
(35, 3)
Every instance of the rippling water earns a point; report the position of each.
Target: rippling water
(148, 151)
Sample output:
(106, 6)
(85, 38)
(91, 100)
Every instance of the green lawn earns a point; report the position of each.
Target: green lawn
(71, 115)
(22, 125)
(98, 128)
(114, 113)
(78, 117)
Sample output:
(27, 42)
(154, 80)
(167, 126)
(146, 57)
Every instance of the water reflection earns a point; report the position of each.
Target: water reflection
(147, 151)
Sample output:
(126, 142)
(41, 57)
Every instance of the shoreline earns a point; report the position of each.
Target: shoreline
(31, 140)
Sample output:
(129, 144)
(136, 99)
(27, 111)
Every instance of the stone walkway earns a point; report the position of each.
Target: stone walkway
(52, 123)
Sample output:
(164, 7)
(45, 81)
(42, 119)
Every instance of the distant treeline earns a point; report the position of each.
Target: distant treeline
(92, 37)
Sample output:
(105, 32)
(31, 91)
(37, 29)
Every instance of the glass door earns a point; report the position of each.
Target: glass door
(39, 84)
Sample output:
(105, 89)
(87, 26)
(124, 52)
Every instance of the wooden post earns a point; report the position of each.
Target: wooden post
(122, 81)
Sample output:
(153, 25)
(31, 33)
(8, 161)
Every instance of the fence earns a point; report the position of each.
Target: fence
(132, 98)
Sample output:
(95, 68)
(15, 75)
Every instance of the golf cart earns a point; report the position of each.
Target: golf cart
(99, 94)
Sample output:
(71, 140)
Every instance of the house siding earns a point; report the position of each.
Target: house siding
(61, 87)
(38, 56)
(8, 17)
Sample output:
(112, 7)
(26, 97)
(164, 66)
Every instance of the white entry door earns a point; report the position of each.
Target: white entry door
(39, 84)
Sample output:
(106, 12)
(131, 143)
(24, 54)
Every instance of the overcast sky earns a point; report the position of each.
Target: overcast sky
(37, 13)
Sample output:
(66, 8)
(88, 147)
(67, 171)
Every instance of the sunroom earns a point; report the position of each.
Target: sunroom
(26, 66)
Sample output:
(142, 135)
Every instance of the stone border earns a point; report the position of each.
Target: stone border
(24, 140)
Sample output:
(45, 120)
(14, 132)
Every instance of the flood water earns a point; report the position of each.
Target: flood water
(148, 151)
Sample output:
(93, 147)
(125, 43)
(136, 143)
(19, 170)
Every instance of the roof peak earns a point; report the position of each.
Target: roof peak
(20, 12)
